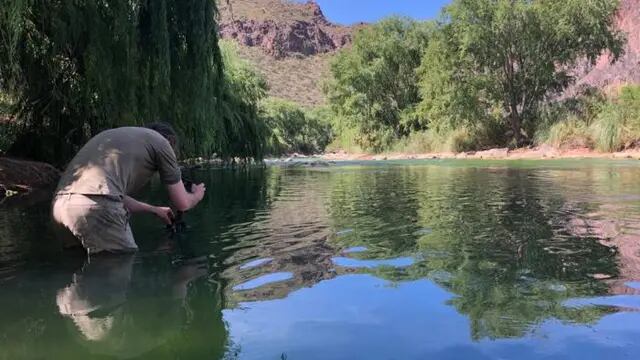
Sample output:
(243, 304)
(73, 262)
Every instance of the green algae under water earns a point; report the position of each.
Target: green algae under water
(380, 260)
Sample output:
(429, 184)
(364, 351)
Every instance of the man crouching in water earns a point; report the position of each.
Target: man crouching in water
(92, 201)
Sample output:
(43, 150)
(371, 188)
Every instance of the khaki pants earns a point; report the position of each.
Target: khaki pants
(97, 222)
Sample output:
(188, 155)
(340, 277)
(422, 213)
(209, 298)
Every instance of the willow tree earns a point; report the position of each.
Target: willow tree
(78, 67)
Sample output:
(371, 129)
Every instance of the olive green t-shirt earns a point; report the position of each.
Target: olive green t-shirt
(119, 162)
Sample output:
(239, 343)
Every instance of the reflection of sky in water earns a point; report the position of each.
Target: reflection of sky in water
(424, 231)
(349, 262)
(633, 284)
(355, 249)
(256, 263)
(263, 280)
(361, 317)
(344, 232)
(623, 301)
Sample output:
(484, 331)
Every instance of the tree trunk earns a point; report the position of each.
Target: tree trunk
(514, 118)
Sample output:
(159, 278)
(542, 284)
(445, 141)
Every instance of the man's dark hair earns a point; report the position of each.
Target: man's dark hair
(166, 130)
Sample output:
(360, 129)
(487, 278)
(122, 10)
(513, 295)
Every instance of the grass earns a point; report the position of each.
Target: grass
(345, 141)
(570, 133)
(458, 140)
(614, 127)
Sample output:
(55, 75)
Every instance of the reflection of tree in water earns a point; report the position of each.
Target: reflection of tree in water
(289, 233)
(495, 241)
(495, 238)
(378, 207)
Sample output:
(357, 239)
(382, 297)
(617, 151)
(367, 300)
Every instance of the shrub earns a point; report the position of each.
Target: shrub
(293, 128)
(465, 138)
(567, 123)
(8, 128)
(618, 125)
(569, 133)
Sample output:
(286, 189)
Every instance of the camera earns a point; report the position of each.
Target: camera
(179, 225)
(188, 185)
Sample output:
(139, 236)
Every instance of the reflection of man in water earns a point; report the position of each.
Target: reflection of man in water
(116, 316)
(93, 200)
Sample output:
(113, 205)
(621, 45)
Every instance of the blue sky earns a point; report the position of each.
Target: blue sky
(351, 11)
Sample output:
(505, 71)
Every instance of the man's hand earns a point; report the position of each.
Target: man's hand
(164, 213)
(183, 200)
(198, 191)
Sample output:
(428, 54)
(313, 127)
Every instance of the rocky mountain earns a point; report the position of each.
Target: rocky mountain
(281, 28)
(606, 75)
(291, 43)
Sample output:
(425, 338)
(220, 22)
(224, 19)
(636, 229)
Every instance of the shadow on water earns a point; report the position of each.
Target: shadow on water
(377, 261)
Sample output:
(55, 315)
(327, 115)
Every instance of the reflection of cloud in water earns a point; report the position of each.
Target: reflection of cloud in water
(421, 232)
(357, 263)
(263, 280)
(355, 249)
(344, 232)
(633, 284)
(255, 263)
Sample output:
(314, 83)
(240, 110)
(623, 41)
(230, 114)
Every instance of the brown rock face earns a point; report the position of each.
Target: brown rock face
(606, 75)
(299, 29)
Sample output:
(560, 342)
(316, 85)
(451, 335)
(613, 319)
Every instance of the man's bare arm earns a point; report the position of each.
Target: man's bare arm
(135, 206)
(184, 200)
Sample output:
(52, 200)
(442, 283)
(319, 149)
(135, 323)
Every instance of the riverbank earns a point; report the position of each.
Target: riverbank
(536, 153)
(23, 176)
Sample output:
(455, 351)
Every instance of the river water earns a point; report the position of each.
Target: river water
(437, 259)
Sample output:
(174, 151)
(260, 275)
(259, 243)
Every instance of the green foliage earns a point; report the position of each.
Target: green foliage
(246, 133)
(7, 125)
(294, 129)
(519, 51)
(345, 137)
(480, 77)
(458, 139)
(77, 68)
(569, 133)
(451, 92)
(590, 120)
(374, 87)
(618, 125)
(7, 136)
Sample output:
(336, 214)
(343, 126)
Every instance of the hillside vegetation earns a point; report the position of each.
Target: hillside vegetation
(297, 79)
(290, 43)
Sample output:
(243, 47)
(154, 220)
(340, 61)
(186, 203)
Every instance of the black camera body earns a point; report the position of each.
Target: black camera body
(188, 185)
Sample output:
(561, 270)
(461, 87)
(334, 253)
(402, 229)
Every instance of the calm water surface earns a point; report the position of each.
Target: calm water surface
(393, 260)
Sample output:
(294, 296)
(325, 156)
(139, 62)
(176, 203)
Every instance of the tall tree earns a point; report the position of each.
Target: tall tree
(523, 50)
(374, 85)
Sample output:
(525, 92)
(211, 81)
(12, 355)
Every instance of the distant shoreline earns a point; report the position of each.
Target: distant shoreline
(537, 153)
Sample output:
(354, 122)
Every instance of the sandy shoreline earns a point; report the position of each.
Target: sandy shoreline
(538, 153)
